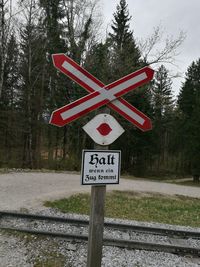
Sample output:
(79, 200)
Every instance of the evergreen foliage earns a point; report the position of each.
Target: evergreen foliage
(31, 88)
(163, 105)
(189, 105)
(125, 55)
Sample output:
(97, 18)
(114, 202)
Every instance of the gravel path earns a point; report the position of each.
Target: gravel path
(29, 190)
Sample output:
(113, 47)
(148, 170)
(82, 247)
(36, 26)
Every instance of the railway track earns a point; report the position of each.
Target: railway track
(177, 240)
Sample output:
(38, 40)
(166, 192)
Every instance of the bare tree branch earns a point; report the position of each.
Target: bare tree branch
(156, 50)
(81, 25)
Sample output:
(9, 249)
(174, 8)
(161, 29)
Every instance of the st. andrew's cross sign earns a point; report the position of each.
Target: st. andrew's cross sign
(100, 94)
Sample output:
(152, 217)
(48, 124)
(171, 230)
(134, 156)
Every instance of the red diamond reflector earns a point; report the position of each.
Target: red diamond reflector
(104, 129)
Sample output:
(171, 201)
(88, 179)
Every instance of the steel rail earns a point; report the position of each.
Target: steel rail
(129, 244)
(113, 225)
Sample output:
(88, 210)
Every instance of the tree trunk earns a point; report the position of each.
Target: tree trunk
(196, 178)
(64, 142)
(2, 48)
(50, 147)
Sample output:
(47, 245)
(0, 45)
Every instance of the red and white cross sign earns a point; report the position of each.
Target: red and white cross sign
(100, 94)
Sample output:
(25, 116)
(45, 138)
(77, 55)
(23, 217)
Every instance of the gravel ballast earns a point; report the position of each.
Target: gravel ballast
(22, 250)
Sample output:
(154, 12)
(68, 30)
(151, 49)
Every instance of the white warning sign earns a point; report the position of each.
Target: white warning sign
(100, 167)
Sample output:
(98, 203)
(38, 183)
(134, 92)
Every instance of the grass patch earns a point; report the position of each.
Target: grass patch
(26, 237)
(51, 260)
(79, 203)
(135, 206)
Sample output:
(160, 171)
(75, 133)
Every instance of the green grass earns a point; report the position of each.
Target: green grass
(75, 204)
(51, 261)
(134, 206)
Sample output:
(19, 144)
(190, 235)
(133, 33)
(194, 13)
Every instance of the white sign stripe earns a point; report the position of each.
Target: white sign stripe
(81, 76)
(120, 87)
(81, 107)
(129, 112)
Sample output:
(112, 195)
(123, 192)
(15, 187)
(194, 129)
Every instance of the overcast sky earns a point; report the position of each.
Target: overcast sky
(174, 16)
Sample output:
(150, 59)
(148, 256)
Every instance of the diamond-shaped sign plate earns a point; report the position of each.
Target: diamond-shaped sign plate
(103, 129)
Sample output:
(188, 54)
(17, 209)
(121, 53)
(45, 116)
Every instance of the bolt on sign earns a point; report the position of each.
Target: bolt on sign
(100, 167)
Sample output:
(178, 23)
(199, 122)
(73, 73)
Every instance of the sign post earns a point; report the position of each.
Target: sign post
(96, 224)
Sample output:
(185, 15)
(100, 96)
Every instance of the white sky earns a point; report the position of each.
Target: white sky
(174, 16)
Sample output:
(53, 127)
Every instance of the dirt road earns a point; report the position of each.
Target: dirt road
(29, 190)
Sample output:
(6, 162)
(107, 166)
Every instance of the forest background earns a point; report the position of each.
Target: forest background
(31, 89)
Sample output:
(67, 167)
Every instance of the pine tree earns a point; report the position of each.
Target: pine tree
(32, 70)
(125, 58)
(125, 53)
(9, 123)
(162, 100)
(67, 25)
(11, 74)
(98, 61)
(162, 93)
(189, 105)
(56, 86)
